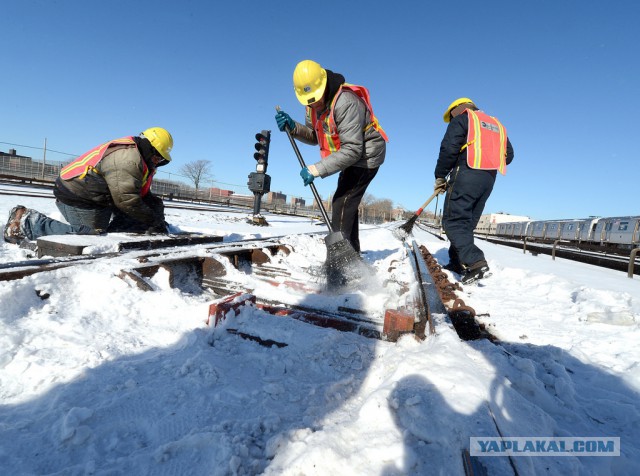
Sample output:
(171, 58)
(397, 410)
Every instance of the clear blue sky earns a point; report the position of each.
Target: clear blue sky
(563, 76)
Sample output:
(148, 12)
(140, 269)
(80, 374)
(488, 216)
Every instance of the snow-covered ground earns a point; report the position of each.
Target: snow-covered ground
(103, 378)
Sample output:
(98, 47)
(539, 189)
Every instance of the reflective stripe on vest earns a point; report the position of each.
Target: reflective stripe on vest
(486, 143)
(88, 161)
(147, 179)
(325, 125)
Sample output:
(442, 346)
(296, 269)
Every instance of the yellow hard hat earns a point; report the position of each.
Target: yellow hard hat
(309, 82)
(454, 104)
(161, 140)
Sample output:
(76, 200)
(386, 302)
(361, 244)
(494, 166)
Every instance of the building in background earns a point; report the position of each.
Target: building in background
(12, 156)
(22, 166)
(488, 223)
(218, 192)
(398, 213)
(276, 198)
(297, 202)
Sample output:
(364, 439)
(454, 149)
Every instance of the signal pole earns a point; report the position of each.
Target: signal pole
(44, 157)
(259, 182)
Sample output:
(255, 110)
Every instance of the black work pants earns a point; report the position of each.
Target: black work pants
(466, 197)
(352, 184)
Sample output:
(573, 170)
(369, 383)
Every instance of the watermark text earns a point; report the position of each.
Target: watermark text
(544, 446)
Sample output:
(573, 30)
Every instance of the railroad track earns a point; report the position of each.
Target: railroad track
(222, 269)
(260, 273)
(611, 261)
(11, 186)
(616, 259)
(430, 230)
(47, 192)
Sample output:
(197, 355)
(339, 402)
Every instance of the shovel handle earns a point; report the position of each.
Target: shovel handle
(316, 195)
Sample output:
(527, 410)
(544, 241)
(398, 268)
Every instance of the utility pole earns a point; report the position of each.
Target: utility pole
(44, 157)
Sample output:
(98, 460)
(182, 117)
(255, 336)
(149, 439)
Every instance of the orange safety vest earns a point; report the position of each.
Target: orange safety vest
(325, 124)
(88, 161)
(486, 143)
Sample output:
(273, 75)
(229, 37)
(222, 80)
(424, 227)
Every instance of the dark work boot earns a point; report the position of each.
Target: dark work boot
(454, 267)
(13, 232)
(478, 270)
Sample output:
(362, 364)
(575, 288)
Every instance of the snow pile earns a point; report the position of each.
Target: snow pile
(100, 377)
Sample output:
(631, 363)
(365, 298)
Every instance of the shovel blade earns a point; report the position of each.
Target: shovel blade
(342, 260)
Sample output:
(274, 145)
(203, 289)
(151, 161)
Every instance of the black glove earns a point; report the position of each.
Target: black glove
(158, 228)
(155, 203)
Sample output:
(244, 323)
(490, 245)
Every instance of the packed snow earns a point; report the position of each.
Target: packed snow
(100, 377)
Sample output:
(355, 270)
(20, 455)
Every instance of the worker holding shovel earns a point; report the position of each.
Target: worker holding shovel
(340, 119)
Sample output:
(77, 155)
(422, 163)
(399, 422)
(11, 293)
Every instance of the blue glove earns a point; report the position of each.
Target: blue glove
(283, 119)
(307, 177)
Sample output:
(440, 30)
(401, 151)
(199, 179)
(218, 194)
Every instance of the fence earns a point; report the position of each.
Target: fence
(35, 171)
(28, 168)
(47, 173)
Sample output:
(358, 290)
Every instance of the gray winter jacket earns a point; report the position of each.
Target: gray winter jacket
(358, 148)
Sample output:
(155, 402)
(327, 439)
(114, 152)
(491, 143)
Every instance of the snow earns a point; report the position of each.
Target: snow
(100, 377)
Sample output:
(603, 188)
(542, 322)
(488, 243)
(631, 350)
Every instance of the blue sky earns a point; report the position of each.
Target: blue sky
(563, 77)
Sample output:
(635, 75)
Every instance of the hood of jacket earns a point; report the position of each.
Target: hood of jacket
(334, 81)
(146, 151)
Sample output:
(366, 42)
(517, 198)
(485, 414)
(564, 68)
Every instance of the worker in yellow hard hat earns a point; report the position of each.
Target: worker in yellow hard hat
(161, 141)
(474, 148)
(340, 119)
(105, 189)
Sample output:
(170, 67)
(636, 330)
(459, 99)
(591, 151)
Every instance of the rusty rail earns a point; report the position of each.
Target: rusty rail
(210, 272)
(462, 317)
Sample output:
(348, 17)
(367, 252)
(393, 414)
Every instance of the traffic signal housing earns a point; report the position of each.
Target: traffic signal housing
(261, 155)
(259, 182)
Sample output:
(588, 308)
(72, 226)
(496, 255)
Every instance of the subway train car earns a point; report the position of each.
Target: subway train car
(617, 231)
(577, 230)
(516, 229)
(546, 230)
(595, 233)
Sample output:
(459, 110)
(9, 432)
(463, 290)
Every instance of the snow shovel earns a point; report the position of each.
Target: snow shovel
(342, 259)
(405, 230)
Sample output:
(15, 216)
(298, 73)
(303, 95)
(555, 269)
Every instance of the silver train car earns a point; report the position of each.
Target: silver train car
(617, 232)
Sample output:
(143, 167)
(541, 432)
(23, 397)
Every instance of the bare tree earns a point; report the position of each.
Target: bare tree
(367, 198)
(197, 171)
(381, 209)
(385, 205)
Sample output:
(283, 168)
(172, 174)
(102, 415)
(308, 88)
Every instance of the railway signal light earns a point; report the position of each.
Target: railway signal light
(259, 182)
(261, 155)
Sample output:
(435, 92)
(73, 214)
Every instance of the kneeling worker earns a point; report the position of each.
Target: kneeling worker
(111, 179)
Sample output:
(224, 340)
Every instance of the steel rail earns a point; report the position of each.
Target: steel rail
(615, 262)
